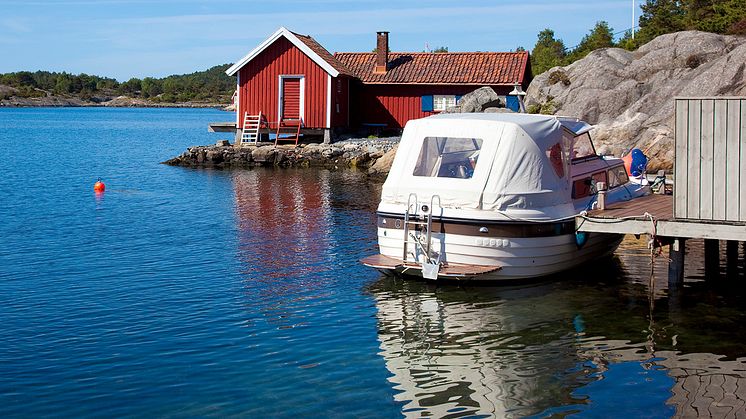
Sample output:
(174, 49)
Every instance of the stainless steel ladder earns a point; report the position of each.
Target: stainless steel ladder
(414, 237)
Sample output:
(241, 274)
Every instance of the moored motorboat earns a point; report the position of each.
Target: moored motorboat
(495, 196)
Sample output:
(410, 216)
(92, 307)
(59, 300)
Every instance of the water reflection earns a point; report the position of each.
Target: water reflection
(297, 232)
(601, 339)
(591, 341)
(283, 220)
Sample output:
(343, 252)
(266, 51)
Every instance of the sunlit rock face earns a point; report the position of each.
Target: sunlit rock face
(630, 95)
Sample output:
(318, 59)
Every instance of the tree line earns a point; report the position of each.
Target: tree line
(658, 17)
(211, 85)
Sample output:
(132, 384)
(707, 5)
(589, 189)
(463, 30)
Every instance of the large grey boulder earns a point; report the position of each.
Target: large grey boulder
(383, 164)
(477, 101)
(629, 95)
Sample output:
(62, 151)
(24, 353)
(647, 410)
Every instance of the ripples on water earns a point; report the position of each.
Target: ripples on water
(186, 292)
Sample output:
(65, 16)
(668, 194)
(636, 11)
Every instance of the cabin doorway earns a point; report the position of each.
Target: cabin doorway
(291, 97)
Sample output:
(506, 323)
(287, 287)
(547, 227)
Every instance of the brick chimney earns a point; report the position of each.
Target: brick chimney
(382, 52)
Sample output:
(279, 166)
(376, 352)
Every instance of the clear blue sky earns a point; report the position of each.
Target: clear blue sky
(139, 38)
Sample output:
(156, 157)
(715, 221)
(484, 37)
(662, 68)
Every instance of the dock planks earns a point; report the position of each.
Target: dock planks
(659, 206)
(452, 270)
(630, 218)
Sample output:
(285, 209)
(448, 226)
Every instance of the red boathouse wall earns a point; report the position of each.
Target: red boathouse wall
(259, 84)
(395, 104)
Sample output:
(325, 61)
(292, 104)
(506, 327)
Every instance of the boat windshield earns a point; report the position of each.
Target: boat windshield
(449, 157)
(583, 147)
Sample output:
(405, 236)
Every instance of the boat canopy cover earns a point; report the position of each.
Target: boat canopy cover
(485, 161)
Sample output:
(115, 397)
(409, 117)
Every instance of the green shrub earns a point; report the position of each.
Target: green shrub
(558, 76)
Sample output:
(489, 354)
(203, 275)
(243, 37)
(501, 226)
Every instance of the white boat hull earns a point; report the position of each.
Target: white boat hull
(517, 257)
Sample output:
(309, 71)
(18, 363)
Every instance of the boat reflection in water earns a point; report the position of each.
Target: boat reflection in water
(560, 347)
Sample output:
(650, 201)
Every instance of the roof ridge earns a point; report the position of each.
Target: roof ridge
(481, 67)
(438, 53)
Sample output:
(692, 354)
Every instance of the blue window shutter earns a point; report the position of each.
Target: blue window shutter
(511, 102)
(458, 98)
(427, 103)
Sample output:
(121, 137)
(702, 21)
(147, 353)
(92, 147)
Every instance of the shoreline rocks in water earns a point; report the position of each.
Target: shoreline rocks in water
(360, 153)
(9, 100)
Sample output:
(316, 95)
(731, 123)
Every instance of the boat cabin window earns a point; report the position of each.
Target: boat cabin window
(587, 186)
(554, 153)
(558, 155)
(448, 157)
(617, 176)
(583, 147)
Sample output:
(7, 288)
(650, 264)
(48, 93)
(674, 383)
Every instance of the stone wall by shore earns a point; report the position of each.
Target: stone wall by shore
(360, 153)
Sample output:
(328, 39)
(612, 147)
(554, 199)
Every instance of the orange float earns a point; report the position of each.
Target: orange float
(99, 186)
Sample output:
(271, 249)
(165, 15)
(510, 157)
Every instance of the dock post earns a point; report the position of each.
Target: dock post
(601, 198)
(731, 259)
(676, 254)
(712, 258)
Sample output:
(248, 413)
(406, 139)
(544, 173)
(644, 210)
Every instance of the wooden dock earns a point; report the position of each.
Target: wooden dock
(265, 132)
(709, 195)
(653, 215)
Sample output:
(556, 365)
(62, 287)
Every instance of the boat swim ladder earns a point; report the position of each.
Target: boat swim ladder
(418, 235)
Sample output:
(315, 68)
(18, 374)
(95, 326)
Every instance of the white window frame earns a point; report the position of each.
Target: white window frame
(301, 107)
(443, 102)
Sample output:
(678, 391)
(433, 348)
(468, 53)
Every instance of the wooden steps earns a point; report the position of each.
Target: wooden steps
(288, 130)
(251, 126)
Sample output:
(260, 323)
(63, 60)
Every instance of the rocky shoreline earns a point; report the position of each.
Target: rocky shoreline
(116, 102)
(373, 154)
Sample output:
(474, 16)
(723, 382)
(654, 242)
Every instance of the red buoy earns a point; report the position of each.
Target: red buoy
(99, 186)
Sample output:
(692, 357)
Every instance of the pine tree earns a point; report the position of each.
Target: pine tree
(660, 17)
(601, 36)
(547, 53)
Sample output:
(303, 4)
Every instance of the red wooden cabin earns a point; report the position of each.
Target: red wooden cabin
(291, 76)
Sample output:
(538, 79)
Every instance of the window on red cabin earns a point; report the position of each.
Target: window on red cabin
(443, 102)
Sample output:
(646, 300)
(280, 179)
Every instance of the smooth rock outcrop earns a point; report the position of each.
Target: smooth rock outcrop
(383, 165)
(629, 95)
(477, 101)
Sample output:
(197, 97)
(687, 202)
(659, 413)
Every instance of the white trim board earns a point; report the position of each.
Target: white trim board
(328, 101)
(295, 41)
(238, 100)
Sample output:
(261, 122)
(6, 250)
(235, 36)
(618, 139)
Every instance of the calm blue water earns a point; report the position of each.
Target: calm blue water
(183, 292)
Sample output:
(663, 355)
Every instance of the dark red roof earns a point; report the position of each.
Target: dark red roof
(478, 68)
(323, 53)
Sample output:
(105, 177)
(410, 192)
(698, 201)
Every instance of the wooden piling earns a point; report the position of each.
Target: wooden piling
(731, 259)
(712, 258)
(676, 254)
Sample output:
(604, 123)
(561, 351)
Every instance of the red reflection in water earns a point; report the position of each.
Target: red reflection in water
(284, 222)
